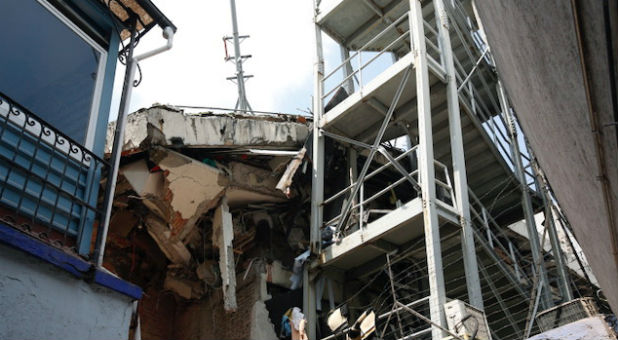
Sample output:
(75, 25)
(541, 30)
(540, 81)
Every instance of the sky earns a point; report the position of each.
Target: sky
(193, 73)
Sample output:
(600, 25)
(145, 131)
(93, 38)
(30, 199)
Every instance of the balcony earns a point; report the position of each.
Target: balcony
(49, 183)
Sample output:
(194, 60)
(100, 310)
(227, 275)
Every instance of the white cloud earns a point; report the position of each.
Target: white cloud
(194, 71)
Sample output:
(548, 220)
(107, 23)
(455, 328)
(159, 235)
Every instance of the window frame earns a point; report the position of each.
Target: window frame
(88, 142)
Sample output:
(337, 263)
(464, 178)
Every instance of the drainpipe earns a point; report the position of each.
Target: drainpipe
(127, 90)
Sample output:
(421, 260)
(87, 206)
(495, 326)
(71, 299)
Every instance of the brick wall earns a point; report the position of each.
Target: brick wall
(157, 310)
(206, 319)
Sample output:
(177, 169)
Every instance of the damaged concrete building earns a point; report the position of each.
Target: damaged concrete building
(208, 216)
(410, 206)
(211, 210)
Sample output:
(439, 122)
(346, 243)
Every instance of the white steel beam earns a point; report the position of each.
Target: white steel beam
(317, 179)
(460, 180)
(427, 173)
(533, 234)
(543, 187)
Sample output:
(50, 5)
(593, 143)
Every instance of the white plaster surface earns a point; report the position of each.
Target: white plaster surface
(41, 301)
(261, 325)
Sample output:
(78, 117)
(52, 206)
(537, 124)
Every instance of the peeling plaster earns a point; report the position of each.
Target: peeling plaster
(190, 182)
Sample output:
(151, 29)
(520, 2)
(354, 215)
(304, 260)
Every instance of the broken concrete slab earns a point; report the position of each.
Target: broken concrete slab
(164, 125)
(285, 183)
(222, 237)
(184, 287)
(250, 184)
(191, 189)
(173, 249)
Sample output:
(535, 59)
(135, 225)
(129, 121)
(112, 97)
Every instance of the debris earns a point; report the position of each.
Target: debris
(298, 322)
(174, 250)
(208, 272)
(185, 288)
(191, 189)
(285, 182)
(297, 276)
(364, 326)
(338, 319)
(222, 236)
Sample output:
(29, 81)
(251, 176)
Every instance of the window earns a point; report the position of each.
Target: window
(50, 67)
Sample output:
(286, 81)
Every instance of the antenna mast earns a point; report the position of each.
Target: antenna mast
(242, 104)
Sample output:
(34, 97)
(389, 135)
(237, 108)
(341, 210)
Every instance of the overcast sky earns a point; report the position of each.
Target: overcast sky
(194, 71)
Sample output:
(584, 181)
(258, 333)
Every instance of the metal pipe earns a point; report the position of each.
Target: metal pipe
(127, 90)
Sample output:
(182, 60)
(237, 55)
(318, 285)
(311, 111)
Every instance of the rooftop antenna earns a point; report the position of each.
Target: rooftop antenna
(242, 104)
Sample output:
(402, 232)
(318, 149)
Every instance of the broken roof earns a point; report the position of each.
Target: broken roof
(170, 126)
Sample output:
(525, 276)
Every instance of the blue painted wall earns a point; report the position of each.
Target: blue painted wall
(47, 195)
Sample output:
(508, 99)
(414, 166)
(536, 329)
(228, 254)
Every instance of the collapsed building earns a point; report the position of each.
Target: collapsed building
(207, 213)
(211, 211)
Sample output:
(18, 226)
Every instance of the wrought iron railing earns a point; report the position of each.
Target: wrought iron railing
(49, 183)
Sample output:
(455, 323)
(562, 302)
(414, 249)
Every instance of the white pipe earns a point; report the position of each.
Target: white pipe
(168, 33)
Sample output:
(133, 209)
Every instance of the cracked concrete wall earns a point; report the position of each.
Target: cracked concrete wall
(40, 301)
(167, 126)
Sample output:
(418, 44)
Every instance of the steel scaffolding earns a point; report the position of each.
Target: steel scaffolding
(439, 91)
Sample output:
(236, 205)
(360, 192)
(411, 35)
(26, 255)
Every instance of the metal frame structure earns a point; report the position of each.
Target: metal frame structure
(242, 104)
(446, 96)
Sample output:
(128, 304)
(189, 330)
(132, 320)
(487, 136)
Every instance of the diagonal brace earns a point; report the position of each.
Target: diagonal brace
(374, 148)
(400, 168)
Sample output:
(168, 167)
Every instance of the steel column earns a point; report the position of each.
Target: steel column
(533, 235)
(317, 179)
(473, 281)
(427, 174)
(563, 278)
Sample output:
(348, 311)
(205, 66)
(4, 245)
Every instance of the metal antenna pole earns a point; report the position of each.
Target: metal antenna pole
(242, 104)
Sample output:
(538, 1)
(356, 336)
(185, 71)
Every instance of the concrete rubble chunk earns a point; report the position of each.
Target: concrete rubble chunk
(174, 250)
(249, 184)
(285, 183)
(222, 237)
(183, 286)
(191, 189)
